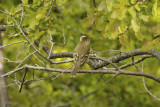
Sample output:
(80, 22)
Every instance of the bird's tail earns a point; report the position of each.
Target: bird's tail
(75, 69)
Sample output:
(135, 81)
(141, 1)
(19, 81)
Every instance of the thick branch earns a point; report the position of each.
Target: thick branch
(125, 55)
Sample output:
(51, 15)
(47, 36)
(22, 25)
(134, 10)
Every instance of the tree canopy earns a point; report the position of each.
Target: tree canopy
(39, 37)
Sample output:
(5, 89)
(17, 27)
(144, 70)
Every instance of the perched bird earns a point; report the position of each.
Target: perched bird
(81, 54)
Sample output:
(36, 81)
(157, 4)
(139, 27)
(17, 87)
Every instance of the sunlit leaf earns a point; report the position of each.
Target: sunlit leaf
(33, 23)
(155, 8)
(115, 14)
(102, 6)
(109, 4)
(135, 24)
(144, 17)
(132, 12)
(25, 2)
(61, 2)
(39, 34)
(41, 14)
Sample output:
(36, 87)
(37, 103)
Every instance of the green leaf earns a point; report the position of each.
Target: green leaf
(115, 14)
(137, 7)
(102, 6)
(119, 13)
(132, 12)
(2, 16)
(61, 2)
(33, 24)
(107, 34)
(25, 2)
(109, 4)
(148, 46)
(57, 27)
(124, 40)
(133, 1)
(122, 12)
(135, 25)
(89, 20)
(38, 35)
(100, 22)
(155, 8)
(41, 44)
(122, 27)
(144, 17)
(139, 35)
(17, 9)
(11, 31)
(41, 14)
(151, 44)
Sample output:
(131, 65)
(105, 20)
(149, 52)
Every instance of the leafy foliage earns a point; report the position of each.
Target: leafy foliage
(112, 24)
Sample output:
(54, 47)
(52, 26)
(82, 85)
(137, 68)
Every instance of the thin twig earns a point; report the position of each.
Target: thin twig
(33, 73)
(39, 59)
(138, 3)
(22, 13)
(63, 72)
(52, 44)
(3, 27)
(117, 96)
(7, 86)
(25, 59)
(137, 61)
(39, 79)
(135, 64)
(49, 11)
(8, 60)
(20, 88)
(144, 84)
(101, 76)
(12, 44)
(108, 81)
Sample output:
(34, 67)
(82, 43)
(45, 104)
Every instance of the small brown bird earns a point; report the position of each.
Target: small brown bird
(81, 54)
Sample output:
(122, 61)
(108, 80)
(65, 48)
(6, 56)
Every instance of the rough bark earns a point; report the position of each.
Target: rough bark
(3, 90)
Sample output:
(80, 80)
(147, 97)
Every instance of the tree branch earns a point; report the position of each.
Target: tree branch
(107, 71)
(123, 56)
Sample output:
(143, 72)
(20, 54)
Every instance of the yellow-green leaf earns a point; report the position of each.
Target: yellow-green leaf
(123, 40)
(115, 14)
(89, 20)
(132, 12)
(25, 2)
(61, 2)
(144, 17)
(109, 4)
(33, 23)
(135, 25)
(148, 46)
(38, 35)
(102, 6)
(41, 14)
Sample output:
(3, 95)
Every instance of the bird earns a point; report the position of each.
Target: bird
(81, 54)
